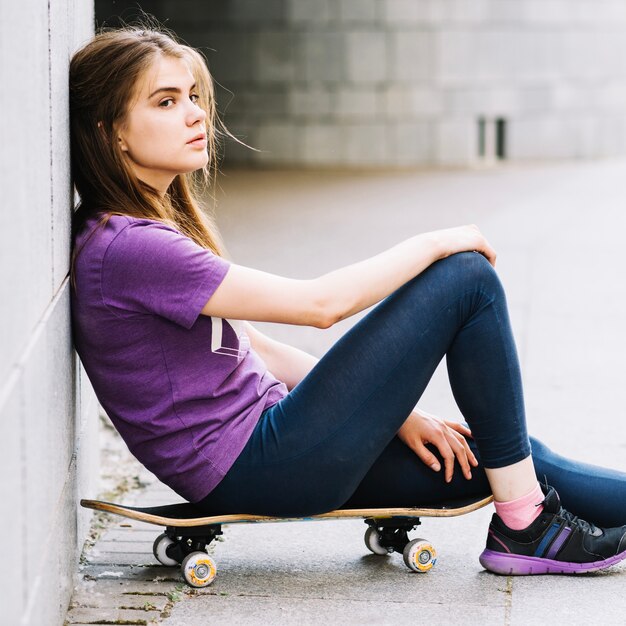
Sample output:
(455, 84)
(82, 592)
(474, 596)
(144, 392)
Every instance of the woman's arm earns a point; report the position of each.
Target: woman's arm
(254, 295)
(286, 363)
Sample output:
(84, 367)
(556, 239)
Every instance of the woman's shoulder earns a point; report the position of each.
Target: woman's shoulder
(105, 228)
(118, 222)
(144, 242)
(119, 244)
(129, 230)
(139, 233)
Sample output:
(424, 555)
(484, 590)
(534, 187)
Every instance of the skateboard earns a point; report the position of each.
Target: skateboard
(187, 535)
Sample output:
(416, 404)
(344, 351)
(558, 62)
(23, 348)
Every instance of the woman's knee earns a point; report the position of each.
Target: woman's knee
(471, 269)
(466, 276)
(468, 263)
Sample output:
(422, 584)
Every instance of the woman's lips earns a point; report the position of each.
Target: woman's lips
(198, 143)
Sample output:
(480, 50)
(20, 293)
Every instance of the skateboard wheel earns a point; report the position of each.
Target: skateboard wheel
(198, 569)
(419, 555)
(372, 542)
(159, 547)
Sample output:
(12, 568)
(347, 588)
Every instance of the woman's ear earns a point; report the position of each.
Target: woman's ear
(120, 141)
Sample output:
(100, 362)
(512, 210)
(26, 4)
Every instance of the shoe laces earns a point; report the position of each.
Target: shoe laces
(575, 522)
(572, 520)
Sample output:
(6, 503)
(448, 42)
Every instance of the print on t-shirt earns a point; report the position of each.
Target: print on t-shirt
(228, 337)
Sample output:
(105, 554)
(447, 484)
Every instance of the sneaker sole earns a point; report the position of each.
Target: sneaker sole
(519, 565)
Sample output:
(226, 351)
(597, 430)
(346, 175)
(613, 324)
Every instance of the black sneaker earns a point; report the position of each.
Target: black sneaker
(557, 542)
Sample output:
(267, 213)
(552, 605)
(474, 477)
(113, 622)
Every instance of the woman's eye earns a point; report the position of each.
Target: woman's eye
(194, 97)
(164, 103)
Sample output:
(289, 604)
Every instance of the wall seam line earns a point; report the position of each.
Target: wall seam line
(18, 366)
(50, 120)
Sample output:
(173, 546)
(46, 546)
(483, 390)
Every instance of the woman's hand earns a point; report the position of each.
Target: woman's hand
(421, 428)
(463, 239)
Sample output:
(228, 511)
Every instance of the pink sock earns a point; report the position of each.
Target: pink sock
(520, 513)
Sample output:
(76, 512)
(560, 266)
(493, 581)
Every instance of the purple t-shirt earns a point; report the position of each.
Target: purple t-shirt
(184, 390)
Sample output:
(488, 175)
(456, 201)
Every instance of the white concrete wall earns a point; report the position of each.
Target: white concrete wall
(48, 419)
(403, 82)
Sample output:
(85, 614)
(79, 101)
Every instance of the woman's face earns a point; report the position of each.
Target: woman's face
(165, 130)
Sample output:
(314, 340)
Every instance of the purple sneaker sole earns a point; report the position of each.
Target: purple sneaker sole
(519, 565)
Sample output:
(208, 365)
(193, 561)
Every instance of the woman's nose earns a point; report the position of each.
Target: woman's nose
(196, 114)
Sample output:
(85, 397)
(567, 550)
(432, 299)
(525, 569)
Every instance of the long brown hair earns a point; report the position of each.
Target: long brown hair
(104, 75)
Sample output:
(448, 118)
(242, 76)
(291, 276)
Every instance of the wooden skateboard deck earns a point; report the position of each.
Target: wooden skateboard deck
(188, 532)
(186, 515)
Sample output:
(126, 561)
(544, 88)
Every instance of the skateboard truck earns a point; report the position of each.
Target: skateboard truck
(388, 535)
(184, 541)
(186, 546)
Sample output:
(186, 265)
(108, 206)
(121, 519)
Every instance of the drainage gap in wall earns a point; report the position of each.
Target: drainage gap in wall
(482, 143)
(501, 138)
(492, 144)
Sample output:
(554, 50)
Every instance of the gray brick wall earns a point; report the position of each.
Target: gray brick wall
(48, 425)
(404, 82)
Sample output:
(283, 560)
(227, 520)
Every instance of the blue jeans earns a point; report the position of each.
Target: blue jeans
(331, 442)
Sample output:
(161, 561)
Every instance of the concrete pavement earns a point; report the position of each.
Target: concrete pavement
(559, 230)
